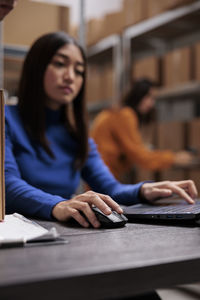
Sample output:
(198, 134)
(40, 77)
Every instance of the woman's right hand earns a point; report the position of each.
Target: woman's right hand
(72, 208)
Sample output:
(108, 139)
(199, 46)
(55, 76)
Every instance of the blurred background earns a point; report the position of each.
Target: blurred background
(124, 41)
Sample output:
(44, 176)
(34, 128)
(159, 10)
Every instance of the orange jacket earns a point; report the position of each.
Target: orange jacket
(116, 132)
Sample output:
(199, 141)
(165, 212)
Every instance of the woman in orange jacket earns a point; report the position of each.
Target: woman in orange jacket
(117, 134)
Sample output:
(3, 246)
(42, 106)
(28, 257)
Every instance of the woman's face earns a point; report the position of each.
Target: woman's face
(63, 77)
(148, 102)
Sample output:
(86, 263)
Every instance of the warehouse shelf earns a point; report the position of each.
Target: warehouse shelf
(108, 49)
(105, 44)
(183, 91)
(179, 103)
(168, 30)
(172, 29)
(15, 51)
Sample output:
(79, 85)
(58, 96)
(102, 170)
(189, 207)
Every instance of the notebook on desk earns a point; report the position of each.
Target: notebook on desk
(171, 210)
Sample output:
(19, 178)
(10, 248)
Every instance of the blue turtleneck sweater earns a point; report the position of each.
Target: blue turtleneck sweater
(35, 182)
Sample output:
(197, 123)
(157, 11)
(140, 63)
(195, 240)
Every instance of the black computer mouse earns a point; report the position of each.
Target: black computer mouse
(114, 220)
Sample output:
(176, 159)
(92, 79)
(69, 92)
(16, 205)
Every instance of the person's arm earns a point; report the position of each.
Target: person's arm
(24, 198)
(131, 144)
(100, 180)
(20, 196)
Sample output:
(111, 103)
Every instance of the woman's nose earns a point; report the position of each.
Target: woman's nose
(69, 74)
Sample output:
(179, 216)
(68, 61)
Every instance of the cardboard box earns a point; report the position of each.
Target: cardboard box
(176, 3)
(148, 133)
(113, 23)
(93, 84)
(29, 20)
(194, 175)
(194, 142)
(177, 67)
(134, 11)
(148, 67)
(94, 31)
(12, 70)
(107, 82)
(197, 61)
(156, 7)
(193, 134)
(100, 83)
(73, 31)
(2, 154)
(171, 135)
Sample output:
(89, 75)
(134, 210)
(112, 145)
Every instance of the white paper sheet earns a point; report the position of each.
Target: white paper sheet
(16, 227)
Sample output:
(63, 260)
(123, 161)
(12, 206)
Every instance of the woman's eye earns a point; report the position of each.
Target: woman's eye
(79, 72)
(58, 64)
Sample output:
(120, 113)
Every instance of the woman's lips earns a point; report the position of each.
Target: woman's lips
(67, 90)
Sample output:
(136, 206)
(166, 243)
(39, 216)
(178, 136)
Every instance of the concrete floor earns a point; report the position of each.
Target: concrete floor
(183, 292)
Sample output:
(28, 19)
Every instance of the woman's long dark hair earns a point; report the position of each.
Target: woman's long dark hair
(140, 88)
(32, 95)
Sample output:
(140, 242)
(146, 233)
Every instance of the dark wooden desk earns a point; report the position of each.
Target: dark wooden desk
(102, 264)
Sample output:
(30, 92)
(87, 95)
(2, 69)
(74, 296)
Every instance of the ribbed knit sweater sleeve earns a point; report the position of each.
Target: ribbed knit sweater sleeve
(22, 197)
(100, 179)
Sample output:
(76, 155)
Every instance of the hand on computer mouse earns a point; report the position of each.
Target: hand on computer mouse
(65, 210)
(113, 220)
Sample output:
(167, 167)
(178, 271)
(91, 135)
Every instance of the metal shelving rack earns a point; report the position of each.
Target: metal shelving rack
(156, 36)
(173, 29)
(110, 47)
(15, 51)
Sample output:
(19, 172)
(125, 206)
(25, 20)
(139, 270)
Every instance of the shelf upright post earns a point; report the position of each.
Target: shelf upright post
(82, 27)
(117, 63)
(126, 58)
(1, 55)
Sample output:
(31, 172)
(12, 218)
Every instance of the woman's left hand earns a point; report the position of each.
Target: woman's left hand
(185, 189)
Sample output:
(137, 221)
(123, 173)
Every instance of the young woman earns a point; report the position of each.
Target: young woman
(117, 134)
(47, 145)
